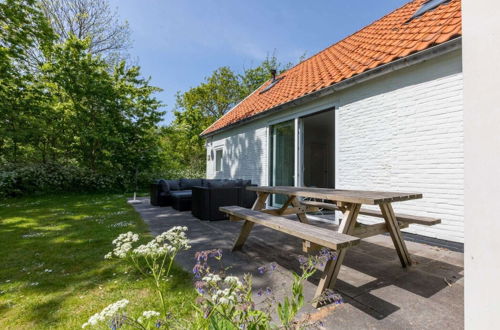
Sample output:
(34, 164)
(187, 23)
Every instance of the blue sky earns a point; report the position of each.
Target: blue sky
(179, 43)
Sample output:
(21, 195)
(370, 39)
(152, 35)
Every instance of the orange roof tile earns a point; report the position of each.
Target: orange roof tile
(381, 42)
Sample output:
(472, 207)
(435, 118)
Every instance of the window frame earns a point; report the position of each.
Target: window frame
(220, 167)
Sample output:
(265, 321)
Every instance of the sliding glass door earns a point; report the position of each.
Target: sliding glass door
(282, 157)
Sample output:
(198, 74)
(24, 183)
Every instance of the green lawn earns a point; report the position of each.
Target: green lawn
(52, 271)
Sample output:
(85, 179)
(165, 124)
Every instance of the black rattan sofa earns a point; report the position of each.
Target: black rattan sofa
(207, 199)
(202, 196)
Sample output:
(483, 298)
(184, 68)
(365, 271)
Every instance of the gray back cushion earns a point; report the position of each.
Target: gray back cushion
(206, 182)
(164, 185)
(173, 184)
(190, 183)
(242, 182)
(222, 184)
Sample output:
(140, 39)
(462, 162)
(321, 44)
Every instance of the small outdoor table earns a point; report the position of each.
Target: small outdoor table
(349, 202)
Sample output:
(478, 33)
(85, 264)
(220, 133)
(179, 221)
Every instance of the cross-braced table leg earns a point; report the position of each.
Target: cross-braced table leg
(307, 247)
(397, 238)
(259, 204)
(332, 267)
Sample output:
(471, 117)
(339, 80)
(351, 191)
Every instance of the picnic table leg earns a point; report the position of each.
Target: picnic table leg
(307, 246)
(397, 237)
(332, 267)
(259, 204)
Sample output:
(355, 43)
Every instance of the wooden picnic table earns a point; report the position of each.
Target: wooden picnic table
(349, 202)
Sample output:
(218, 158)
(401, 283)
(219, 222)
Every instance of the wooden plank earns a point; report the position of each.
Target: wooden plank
(245, 231)
(347, 196)
(307, 247)
(406, 218)
(290, 210)
(363, 231)
(397, 238)
(324, 237)
(259, 204)
(332, 267)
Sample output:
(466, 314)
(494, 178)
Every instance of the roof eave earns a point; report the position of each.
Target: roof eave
(398, 64)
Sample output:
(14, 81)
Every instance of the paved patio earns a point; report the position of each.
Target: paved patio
(378, 292)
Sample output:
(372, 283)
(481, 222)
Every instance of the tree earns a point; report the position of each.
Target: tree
(253, 78)
(22, 27)
(199, 107)
(91, 19)
(111, 117)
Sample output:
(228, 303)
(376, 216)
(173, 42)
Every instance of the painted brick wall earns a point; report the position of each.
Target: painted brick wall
(402, 132)
(245, 155)
(409, 138)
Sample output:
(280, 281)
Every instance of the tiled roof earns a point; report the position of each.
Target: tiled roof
(386, 40)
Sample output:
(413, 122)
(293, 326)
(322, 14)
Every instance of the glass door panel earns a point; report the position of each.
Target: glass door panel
(282, 157)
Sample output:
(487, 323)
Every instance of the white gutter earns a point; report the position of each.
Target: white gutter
(398, 64)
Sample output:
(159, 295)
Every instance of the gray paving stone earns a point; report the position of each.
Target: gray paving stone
(378, 292)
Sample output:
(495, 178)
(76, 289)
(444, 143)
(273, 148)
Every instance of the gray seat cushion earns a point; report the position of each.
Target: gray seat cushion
(181, 193)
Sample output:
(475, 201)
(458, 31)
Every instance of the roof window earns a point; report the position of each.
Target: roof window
(273, 82)
(427, 6)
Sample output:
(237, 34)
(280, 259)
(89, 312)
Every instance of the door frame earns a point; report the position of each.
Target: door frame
(299, 143)
(300, 149)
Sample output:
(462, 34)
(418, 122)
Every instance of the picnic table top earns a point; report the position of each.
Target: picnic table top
(340, 195)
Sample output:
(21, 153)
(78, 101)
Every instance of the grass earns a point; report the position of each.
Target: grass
(52, 271)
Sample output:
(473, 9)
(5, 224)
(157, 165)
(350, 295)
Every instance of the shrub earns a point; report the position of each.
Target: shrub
(17, 180)
(27, 179)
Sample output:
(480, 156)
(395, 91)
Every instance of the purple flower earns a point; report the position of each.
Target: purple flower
(268, 290)
(197, 269)
(331, 296)
(259, 292)
(327, 254)
(262, 269)
(200, 285)
(273, 266)
(302, 260)
(117, 321)
(215, 253)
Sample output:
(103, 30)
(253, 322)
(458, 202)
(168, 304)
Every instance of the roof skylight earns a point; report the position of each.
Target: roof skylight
(428, 5)
(273, 82)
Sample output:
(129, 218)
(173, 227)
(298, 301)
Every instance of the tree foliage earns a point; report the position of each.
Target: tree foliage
(196, 109)
(69, 107)
(75, 107)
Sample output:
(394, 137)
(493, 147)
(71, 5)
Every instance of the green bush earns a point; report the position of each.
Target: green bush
(18, 180)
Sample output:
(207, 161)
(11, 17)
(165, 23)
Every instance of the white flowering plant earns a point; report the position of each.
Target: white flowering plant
(113, 316)
(224, 301)
(153, 259)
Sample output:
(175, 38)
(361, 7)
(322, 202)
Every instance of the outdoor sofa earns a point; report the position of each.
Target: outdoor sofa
(203, 196)
(207, 199)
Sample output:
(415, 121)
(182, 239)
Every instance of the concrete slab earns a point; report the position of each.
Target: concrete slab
(378, 292)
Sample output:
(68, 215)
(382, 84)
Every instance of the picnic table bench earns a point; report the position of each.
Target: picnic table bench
(349, 232)
(323, 237)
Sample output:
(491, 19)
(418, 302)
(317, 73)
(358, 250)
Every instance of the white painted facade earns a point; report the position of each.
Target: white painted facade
(481, 28)
(399, 132)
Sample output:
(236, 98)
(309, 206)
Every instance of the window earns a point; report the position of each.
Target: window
(218, 160)
(428, 5)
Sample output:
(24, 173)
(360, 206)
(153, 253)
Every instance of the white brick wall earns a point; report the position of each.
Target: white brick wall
(402, 132)
(408, 139)
(245, 155)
